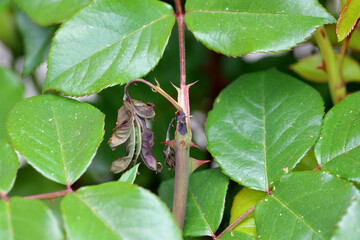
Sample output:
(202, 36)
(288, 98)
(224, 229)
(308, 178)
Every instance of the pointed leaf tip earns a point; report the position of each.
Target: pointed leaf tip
(348, 19)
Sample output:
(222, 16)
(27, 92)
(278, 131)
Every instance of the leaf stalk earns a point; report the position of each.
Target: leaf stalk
(336, 83)
(237, 221)
(51, 195)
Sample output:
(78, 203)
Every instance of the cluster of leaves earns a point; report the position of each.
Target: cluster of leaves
(262, 130)
(131, 131)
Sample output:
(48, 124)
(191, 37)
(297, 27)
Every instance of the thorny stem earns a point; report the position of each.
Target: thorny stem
(235, 223)
(156, 89)
(182, 142)
(336, 84)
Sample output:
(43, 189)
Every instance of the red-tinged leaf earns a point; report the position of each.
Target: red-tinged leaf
(348, 19)
(143, 110)
(146, 147)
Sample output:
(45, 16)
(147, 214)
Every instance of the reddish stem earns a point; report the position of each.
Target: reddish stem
(237, 221)
(4, 197)
(51, 195)
(183, 101)
(182, 142)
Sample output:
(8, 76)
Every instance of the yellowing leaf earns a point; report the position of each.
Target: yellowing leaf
(308, 69)
(243, 201)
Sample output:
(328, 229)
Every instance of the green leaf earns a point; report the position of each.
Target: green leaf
(27, 219)
(57, 136)
(304, 205)
(47, 12)
(338, 148)
(243, 201)
(36, 40)
(262, 125)
(11, 91)
(342, 5)
(117, 210)
(348, 227)
(130, 175)
(354, 43)
(205, 202)
(348, 19)
(107, 43)
(9, 165)
(234, 235)
(238, 27)
(308, 69)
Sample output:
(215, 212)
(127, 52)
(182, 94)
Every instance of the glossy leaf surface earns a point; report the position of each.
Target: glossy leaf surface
(36, 41)
(348, 19)
(107, 43)
(234, 235)
(354, 43)
(308, 69)
(9, 164)
(117, 210)
(205, 202)
(262, 125)
(57, 136)
(27, 219)
(348, 227)
(11, 92)
(130, 175)
(238, 27)
(304, 205)
(47, 12)
(243, 201)
(338, 149)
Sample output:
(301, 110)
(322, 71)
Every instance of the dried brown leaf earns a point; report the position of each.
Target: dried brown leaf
(143, 110)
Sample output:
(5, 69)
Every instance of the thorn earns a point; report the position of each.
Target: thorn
(190, 84)
(169, 143)
(197, 163)
(157, 83)
(178, 89)
(322, 66)
(322, 33)
(52, 201)
(194, 145)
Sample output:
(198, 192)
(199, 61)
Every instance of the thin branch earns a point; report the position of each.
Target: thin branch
(156, 89)
(180, 20)
(344, 49)
(336, 84)
(183, 100)
(51, 195)
(235, 223)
